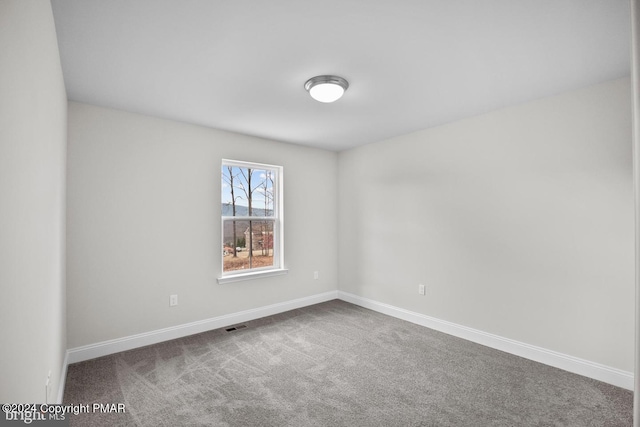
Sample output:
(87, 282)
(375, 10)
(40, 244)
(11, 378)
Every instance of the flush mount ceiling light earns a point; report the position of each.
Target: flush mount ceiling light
(326, 88)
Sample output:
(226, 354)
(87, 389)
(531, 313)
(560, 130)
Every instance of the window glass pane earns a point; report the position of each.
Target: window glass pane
(247, 191)
(247, 244)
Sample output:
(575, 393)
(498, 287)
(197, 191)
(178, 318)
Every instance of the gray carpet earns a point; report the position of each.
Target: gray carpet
(336, 364)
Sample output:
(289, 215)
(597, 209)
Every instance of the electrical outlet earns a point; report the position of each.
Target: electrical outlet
(173, 300)
(421, 289)
(316, 275)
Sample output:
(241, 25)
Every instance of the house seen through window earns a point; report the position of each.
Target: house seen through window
(251, 217)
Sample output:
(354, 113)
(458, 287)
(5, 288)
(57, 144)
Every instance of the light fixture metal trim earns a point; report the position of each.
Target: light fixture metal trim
(326, 80)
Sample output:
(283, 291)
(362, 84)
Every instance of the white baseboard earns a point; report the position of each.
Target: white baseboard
(576, 365)
(105, 348)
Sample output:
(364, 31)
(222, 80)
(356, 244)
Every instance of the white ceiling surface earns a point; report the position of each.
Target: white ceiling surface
(241, 65)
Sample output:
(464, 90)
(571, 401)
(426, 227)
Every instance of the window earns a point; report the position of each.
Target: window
(251, 220)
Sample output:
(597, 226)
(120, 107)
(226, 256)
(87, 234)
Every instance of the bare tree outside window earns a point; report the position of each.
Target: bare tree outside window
(228, 180)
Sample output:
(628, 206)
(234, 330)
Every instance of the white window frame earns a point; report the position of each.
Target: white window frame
(278, 228)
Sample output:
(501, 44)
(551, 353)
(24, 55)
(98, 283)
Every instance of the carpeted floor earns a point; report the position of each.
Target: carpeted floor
(336, 364)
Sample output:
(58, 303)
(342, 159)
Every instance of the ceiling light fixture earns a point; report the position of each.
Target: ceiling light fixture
(326, 88)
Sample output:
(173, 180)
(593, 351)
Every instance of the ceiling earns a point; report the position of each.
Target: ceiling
(241, 65)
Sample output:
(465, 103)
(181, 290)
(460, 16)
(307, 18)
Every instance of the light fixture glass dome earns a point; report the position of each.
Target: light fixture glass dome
(326, 88)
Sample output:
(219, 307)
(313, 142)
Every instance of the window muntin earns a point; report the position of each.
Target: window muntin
(251, 218)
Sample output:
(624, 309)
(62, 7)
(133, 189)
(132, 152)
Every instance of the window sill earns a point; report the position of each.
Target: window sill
(252, 275)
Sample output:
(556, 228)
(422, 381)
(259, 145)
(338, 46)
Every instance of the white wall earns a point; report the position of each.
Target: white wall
(143, 223)
(33, 108)
(520, 222)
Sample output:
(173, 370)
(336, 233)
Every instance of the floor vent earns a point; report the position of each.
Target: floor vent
(235, 328)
